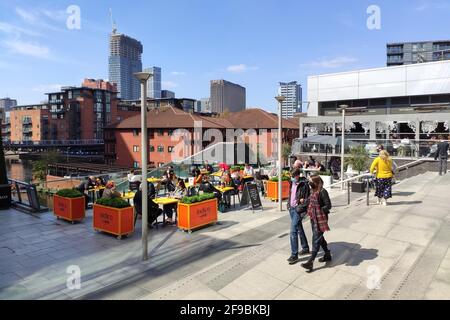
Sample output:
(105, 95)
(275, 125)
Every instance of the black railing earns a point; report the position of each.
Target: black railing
(24, 196)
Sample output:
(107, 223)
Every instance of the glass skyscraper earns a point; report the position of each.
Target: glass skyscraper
(154, 83)
(293, 93)
(125, 58)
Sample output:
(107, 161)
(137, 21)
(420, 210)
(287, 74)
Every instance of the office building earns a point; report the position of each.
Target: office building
(154, 83)
(167, 94)
(403, 53)
(227, 96)
(7, 103)
(125, 59)
(293, 102)
(203, 106)
(410, 101)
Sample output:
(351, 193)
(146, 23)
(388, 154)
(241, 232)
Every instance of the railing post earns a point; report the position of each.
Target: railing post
(368, 190)
(348, 192)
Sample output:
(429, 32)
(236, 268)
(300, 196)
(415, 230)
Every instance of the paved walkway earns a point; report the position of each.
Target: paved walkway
(397, 252)
(244, 257)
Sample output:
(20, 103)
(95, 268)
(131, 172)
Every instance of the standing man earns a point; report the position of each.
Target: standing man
(442, 154)
(298, 194)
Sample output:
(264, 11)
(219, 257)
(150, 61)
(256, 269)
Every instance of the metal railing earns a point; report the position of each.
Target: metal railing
(56, 142)
(369, 178)
(25, 196)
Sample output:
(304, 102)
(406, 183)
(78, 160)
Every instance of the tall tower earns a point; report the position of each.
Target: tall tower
(125, 58)
(292, 104)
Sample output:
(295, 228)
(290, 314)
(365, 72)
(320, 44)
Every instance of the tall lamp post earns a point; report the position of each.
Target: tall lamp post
(280, 100)
(143, 78)
(342, 108)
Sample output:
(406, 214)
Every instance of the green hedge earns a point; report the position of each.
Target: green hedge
(285, 178)
(118, 203)
(199, 198)
(69, 193)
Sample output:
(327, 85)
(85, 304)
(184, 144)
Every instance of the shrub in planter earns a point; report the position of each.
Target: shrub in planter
(118, 203)
(114, 216)
(69, 204)
(199, 198)
(69, 193)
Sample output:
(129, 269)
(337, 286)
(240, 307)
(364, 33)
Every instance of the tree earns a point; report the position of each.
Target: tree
(359, 159)
(40, 166)
(286, 151)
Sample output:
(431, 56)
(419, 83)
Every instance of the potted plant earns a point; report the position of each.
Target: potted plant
(114, 216)
(197, 211)
(327, 178)
(69, 204)
(272, 188)
(359, 160)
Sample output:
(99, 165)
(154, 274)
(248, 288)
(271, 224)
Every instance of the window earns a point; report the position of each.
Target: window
(170, 132)
(135, 148)
(170, 149)
(160, 132)
(152, 148)
(135, 132)
(160, 148)
(136, 164)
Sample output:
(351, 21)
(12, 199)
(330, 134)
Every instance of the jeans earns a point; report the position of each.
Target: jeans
(317, 241)
(443, 166)
(296, 232)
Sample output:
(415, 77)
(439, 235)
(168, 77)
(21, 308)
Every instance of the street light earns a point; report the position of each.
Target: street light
(342, 108)
(143, 78)
(280, 100)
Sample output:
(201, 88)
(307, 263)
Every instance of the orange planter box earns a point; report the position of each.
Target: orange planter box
(70, 209)
(115, 221)
(272, 190)
(192, 216)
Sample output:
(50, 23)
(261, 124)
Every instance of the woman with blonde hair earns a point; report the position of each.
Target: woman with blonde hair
(382, 166)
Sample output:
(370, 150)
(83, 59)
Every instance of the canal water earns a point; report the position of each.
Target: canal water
(19, 170)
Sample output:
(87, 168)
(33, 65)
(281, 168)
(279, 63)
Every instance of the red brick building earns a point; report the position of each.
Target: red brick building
(123, 140)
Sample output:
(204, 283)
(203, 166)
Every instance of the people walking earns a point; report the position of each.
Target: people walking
(299, 193)
(318, 209)
(442, 156)
(383, 167)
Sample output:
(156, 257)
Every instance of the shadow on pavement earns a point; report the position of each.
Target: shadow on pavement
(401, 203)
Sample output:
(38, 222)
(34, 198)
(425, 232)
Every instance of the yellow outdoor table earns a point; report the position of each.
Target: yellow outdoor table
(128, 195)
(217, 174)
(223, 190)
(96, 189)
(165, 200)
(153, 180)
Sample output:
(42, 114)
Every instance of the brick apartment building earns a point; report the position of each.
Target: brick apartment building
(123, 140)
(74, 113)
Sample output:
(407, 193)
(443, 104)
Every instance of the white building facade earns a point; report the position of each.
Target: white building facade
(400, 102)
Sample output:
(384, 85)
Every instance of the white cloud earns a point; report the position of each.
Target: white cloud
(331, 63)
(44, 88)
(43, 18)
(178, 73)
(26, 15)
(438, 5)
(169, 84)
(13, 30)
(240, 68)
(27, 48)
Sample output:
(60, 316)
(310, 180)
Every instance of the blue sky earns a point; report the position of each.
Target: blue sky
(256, 43)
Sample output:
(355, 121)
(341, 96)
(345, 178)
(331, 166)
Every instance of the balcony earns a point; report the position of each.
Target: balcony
(394, 50)
(27, 122)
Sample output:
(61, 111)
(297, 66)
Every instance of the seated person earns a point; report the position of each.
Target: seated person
(236, 176)
(198, 177)
(179, 193)
(171, 182)
(320, 166)
(110, 191)
(207, 187)
(84, 188)
(306, 165)
(227, 181)
(209, 169)
(248, 171)
(99, 183)
(153, 209)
